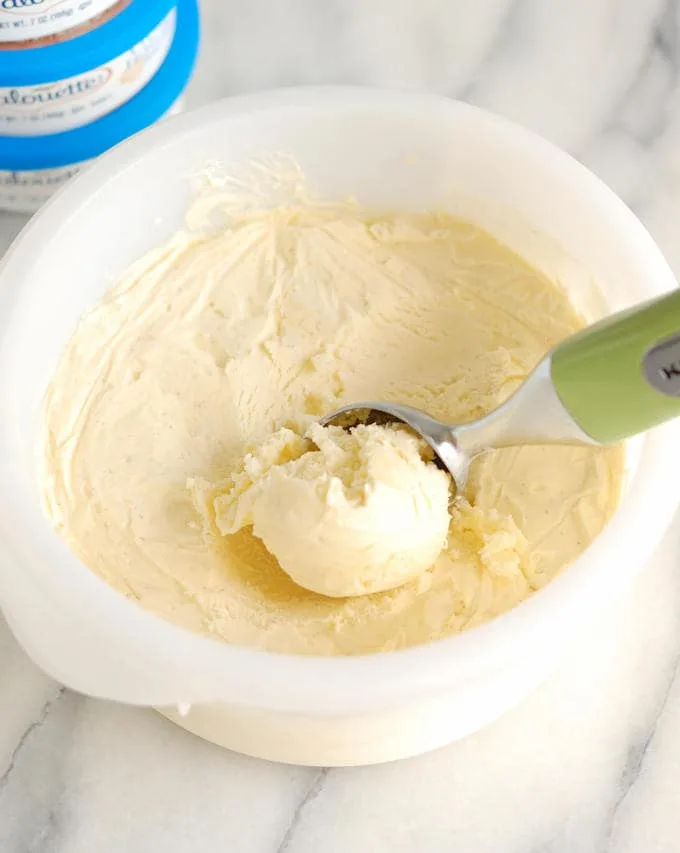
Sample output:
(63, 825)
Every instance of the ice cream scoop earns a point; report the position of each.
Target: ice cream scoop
(344, 513)
(614, 379)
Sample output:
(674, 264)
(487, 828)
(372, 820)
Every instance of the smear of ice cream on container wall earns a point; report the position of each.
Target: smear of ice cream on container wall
(25, 23)
(53, 105)
(34, 167)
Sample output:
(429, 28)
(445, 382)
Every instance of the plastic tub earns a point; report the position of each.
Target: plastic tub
(388, 149)
(27, 23)
(34, 167)
(26, 191)
(48, 89)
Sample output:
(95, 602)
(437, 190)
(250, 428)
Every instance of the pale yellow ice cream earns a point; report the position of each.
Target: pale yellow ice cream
(217, 340)
(344, 513)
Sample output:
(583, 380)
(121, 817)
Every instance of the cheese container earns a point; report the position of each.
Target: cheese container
(25, 23)
(34, 167)
(57, 87)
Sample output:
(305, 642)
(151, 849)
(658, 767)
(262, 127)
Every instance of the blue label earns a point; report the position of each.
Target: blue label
(48, 95)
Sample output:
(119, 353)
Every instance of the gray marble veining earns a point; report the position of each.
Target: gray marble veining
(590, 761)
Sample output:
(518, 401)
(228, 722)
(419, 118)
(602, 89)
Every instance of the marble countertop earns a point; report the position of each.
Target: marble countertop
(591, 761)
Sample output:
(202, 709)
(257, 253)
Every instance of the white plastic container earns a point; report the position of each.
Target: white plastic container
(388, 149)
(27, 20)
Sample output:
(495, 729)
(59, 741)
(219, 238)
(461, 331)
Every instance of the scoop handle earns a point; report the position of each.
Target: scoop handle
(621, 376)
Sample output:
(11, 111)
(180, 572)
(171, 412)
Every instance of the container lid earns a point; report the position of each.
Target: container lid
(25, 153)
(48, 63)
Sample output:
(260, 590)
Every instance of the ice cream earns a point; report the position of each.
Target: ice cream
(265, 319)
(344, 513)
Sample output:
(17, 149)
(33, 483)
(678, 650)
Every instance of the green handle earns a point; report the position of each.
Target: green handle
(622, 375)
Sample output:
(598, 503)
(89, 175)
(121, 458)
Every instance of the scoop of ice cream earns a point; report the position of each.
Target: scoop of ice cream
(344, 513)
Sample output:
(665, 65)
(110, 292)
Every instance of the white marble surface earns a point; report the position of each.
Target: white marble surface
(590, 762)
